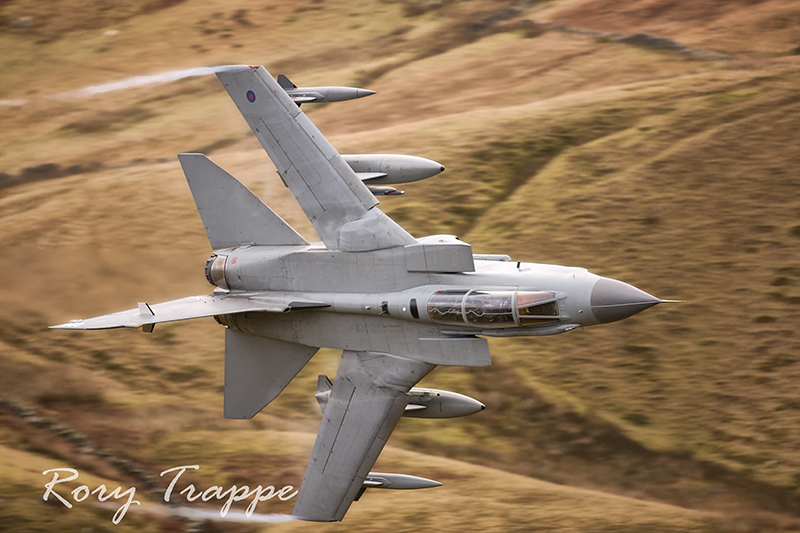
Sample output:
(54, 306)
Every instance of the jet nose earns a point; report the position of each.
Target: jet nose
(614, 300)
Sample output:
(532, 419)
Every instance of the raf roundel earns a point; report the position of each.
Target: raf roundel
(251, 96)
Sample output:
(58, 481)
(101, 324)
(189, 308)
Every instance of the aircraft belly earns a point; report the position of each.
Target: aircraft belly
(422, 342)
(336, 331)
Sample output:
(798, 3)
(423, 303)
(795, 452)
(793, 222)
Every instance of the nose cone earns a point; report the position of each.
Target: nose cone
(614, 300)
(361, 93)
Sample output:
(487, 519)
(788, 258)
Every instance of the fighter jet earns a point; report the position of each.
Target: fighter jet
(396, 306)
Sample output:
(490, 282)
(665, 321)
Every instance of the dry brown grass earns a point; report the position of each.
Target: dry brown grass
(742, 28)
(677, 175)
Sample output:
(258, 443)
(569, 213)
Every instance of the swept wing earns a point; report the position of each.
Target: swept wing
(194, 307)
(369, 395)
(338, 204)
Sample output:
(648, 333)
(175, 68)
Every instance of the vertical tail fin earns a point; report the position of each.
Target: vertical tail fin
(231, 213)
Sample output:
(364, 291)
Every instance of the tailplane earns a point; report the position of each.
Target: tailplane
(257, 369)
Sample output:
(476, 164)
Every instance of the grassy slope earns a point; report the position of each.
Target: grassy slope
(674, 174)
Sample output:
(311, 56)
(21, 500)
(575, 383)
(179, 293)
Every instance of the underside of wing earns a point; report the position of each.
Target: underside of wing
(368, 398)
(336, 202)
(193, 307)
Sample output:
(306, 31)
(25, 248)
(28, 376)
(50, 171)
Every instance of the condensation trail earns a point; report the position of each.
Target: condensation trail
(231, 516)
(139, 81)
(184, 511)
(130, 83)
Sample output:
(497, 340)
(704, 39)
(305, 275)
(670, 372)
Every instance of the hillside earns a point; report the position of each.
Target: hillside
(653, 142)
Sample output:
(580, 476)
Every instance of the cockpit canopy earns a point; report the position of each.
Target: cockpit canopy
(493, 309)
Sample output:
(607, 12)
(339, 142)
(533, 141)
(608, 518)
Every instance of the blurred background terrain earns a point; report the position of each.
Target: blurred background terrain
(653, 141)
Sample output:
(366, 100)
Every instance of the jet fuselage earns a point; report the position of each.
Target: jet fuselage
(383, 302)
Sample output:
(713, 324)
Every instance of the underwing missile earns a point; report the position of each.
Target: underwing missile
(380, 480)
(305, 95)
(384, 190)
